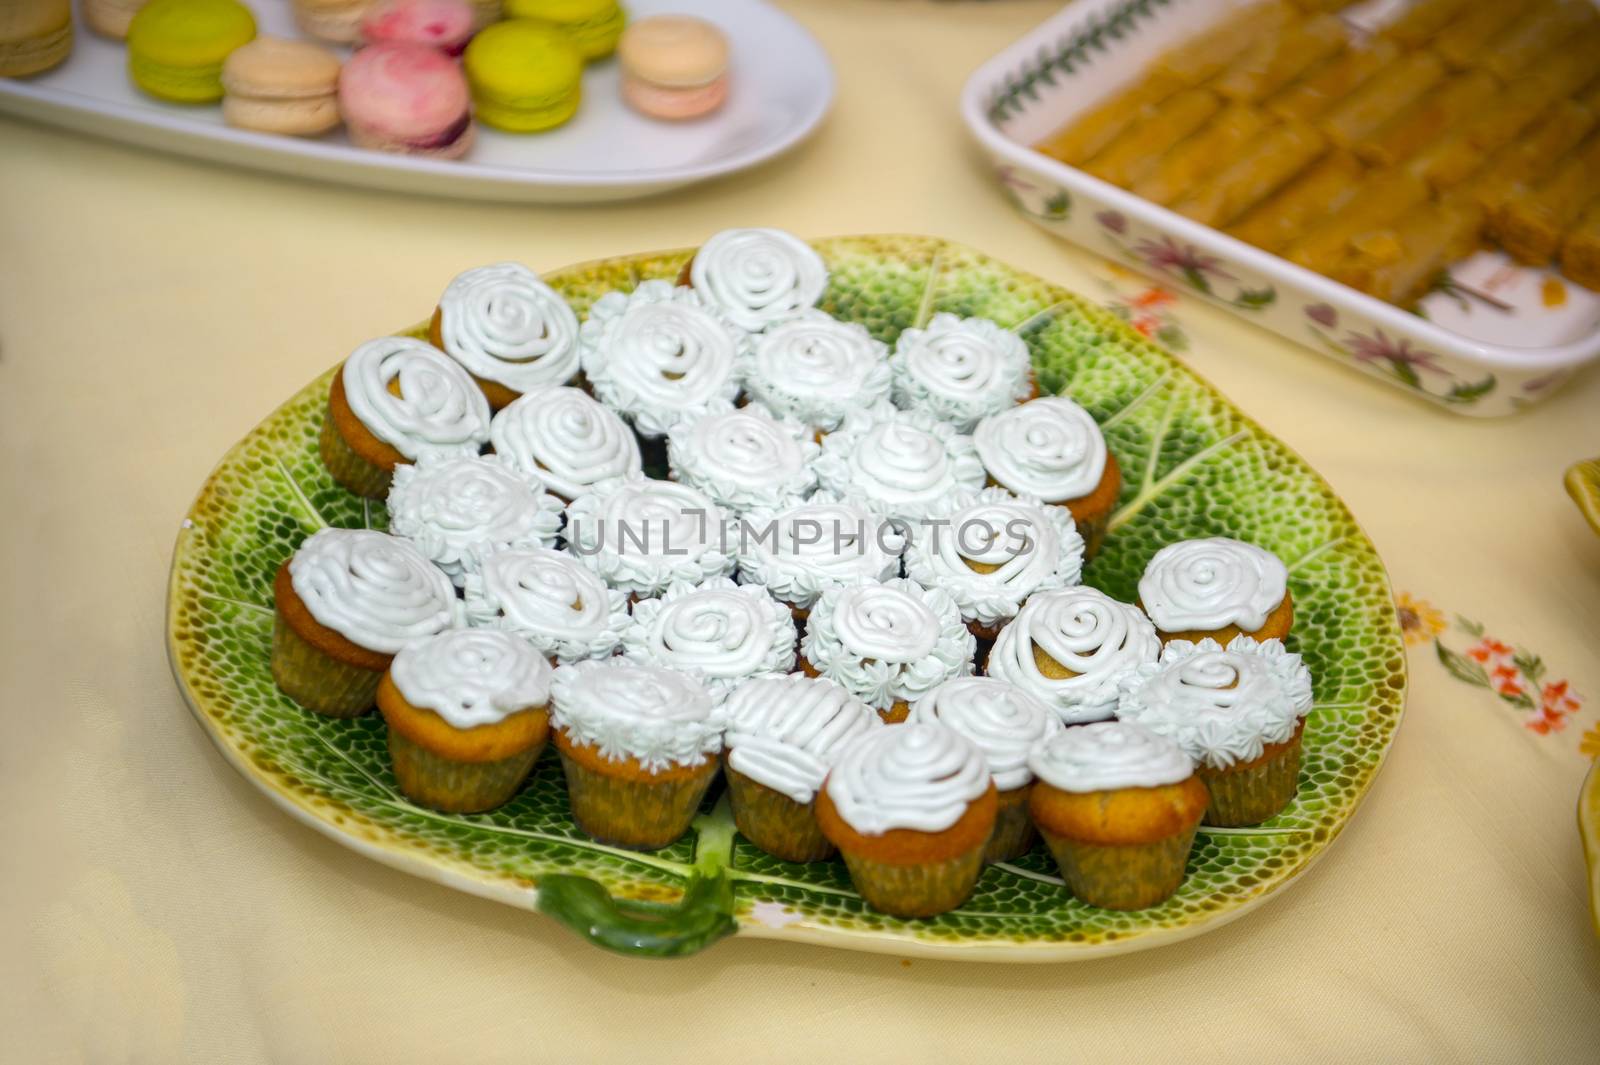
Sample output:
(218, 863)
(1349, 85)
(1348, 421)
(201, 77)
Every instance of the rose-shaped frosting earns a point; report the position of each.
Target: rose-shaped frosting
(785, 732)
(505, 325)
(815, 368)
(1000, 718)
(902, 464)
(799, 553)
(726, 632)
(1211, 584)
(1108, 755)
(1221, 705)
(1049, 447)
(456, 508)
(995, 552)
(960, 369)
(438, 408)
(550, 599)
(376, 590)
(643, 534)
(1096, 639)
(659, 717)
(758, 276)
(471, 677)
(920, 777)
(888, 642)
(570, 441)
(660, 354)
(745, 458)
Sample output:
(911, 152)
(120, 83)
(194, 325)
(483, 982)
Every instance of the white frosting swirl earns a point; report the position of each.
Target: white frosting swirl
(725, 631)
(902, 464)
(920, 777)
(888, 642)
(1003, 720)
(1222, 706)
(1109, 755)
(641, 535)
(816, 368)
(551, 600)
(1048, 447)
(457, 508)
(758, 276)
(660, 354)
(1086, 631)
(439, 407)
(823, 543)
(505, 325)
(785, 732)
(659, 717)
(1031, 548)
(375, 590)
(471, 677)
(1211, 584)
(570, 441)
(960, 369)
(745, 458)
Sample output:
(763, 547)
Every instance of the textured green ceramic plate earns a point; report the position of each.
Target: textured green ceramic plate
(1194, 466)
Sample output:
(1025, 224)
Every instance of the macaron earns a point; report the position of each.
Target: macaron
(525, 76)
(338, 21)
(408, 99)
(593, 25)
(176, 47)
(111, 18)
(281, 86)
(443, 24)
(34, 37)
(673, 66)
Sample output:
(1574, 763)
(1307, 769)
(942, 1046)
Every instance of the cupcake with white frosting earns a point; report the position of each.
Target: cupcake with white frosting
(757, 277)
(1237, 711)
(346, 602)
(725, 632)
(783, 735)
(549, 599)
(902, 464)
(511, 331)
(467, 716)
(995, 552)
(911, 808)
(1005, 723)
(745, 459)
(394, 400)
(457, 508)
(638, 745)
(642, 535)
(825, 542)
(887, 643)
(659, 355)
(961, 369)
(1217, 588)
(1071, 648)
(1052, 449)
(815, 369)
(1118, 806)
(572, 443)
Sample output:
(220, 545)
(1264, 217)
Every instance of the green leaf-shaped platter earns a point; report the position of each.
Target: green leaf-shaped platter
(1193, 466)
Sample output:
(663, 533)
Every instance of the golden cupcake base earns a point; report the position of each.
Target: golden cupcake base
(455, 787)
(317, 681)
(1014, 834)
(642, 814)
(774, 822)
(1122, 876)
(349, 469)
(923, 889)
(1251, 793)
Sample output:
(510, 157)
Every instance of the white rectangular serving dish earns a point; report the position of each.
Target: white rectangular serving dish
(1091, 49)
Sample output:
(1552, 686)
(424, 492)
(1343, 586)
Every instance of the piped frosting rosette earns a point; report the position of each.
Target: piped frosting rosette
(1092, 636)
(1048, 447)
(438, 408)
(659, 355)
(641, 535)
(1221, 705)
(745, 458)
(505, 325)
(825, 542)
(920, 777)
(659, 717)
(1108, 755)
(551, 600)
(571, 442)
(1004, 722)
(960, 369)
(815, 368)
(457, 508)
(786, 732)
(758, 276)
(900, 463)
(1211, 584)
(995, 552)
(471, 677)
(889, 642)
(725, 632)
(376, 590)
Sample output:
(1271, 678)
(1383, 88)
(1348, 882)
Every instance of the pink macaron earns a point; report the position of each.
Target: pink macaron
(443, 24)
(408, 99)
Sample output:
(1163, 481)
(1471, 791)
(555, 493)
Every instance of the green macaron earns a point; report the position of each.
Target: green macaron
(176, 47)
(525, 76)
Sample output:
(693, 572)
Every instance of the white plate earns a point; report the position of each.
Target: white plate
(782, 85)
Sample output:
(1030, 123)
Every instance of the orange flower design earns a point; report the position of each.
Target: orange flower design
(1420, 620)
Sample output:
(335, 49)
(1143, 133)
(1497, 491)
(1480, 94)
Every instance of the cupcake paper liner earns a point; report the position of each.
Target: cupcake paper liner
(774, 822)
(1014, 833)
(1122, 876)
(926, 889)
(453, 787)
(318, 681)
(1248, 796)
(641, 814)
(348, 468)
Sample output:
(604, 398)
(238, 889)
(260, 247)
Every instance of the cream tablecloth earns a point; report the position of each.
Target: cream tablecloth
(156, 908)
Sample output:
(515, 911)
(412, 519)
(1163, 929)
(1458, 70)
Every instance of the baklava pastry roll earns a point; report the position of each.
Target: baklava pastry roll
(1418, 24)
(1532, 222)
(1466, 41)
(1332, 81)
(1140, 148)
(1254, 175)
(1580, 250)
(1203, 57)
(1309, 198)
(1547, 26)
(1385, 196)
(1364, 111)
(1083, 138)
(1402, 265)
(1532, 155)
(1182, 168)
(1429, 119)
(1277, 59)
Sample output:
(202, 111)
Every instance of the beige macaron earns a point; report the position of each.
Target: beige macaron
(338, 21)
(281, 86)
(110, 18)
(673, 66)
